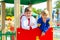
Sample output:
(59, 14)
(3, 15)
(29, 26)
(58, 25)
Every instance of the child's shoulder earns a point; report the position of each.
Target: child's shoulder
(40, 18)
(23, 17)
(48, 19)
(33, 18)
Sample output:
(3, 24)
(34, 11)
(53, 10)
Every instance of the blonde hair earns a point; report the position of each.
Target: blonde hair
(45, 12)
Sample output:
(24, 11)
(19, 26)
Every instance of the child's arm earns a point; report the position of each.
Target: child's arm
(24, 24)
(39, 22)
(45, 29)
(47, 25)
(33, 23)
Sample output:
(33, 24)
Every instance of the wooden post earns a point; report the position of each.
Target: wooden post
(3, 18)
(17, 15)
(49, 8)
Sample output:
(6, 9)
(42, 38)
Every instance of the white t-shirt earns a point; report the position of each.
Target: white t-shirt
(24, 22)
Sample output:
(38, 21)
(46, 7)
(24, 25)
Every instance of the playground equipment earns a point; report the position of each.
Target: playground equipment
(34, 34)
(8, 35)
(17, 11)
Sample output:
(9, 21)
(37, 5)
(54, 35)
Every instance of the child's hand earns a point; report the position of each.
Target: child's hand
(43, 33)
(38, 25)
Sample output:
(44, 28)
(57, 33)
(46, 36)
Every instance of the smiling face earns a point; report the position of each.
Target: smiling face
(44, 15)
(28, 12)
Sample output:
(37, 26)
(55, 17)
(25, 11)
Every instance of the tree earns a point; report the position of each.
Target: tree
(39, 11)
(10, 11)
(57, 4)
(34, 10)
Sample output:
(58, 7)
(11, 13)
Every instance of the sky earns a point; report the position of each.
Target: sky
(44, 5)
(37, 6)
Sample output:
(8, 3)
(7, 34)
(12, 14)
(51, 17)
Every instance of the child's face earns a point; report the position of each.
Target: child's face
(29, 13)
(44, 16)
